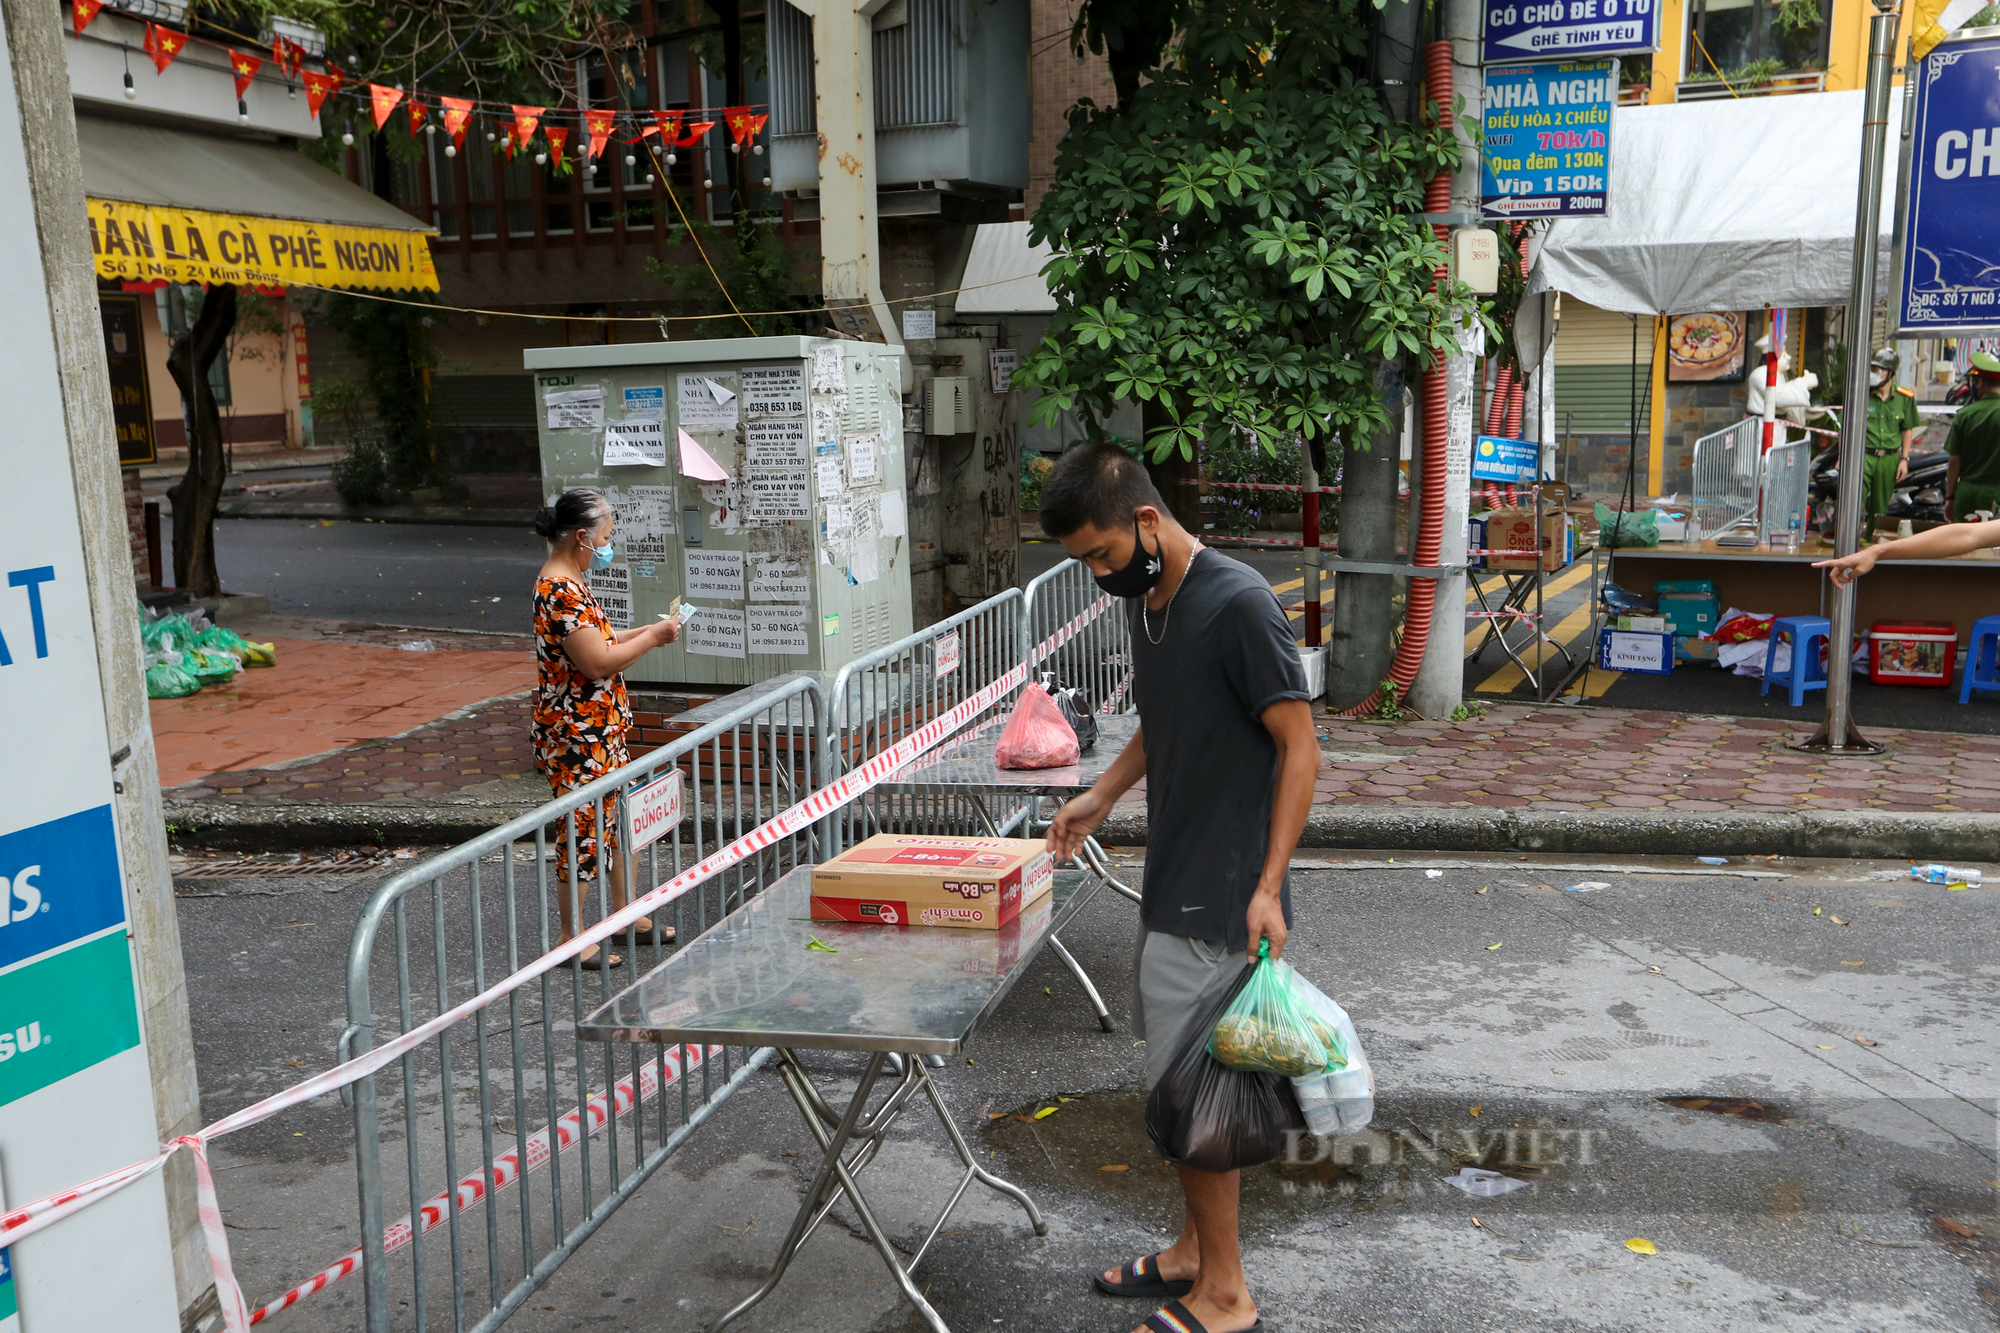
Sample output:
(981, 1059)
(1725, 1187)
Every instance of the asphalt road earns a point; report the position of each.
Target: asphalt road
(428, 575)
(1826, 1163)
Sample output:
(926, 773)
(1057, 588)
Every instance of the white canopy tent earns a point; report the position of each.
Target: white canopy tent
(1725, 205)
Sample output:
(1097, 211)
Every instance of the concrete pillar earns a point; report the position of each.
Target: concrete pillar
(54, 167)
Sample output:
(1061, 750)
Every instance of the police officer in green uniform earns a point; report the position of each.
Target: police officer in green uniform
(1893, 424)
(1972, 480)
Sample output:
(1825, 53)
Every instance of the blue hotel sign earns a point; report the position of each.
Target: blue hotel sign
(1951, 245)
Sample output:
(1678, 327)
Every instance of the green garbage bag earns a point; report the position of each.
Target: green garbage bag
(260, 655)
(211, 667)
(155, 634)
(169, 682)
(1270, 1028)
(1628, 529)
(217, 638)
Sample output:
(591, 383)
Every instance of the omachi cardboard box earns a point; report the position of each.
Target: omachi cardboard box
(913, 879)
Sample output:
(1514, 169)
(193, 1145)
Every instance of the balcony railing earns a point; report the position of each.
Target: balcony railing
(1709, 90)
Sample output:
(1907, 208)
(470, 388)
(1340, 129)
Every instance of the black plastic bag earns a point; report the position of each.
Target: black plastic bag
(1208, 1116)
(1075, 706)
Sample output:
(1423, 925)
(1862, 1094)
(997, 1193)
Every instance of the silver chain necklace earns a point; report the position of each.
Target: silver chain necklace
(1167, 611)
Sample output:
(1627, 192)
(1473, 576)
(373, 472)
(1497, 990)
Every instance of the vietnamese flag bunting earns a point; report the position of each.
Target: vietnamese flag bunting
(384, 100)
(743, 124)
(557, 138)
(695, 133)
(667, 124)
(244, 66)
(163, 44)
(454, 112)
(598, 125)
(319, 87)
(417, 112)
(525, 120)
(81, 12)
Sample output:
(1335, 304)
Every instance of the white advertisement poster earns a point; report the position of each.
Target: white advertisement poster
(919, 324)
(612, 587)
(646, 403)
(575, 409)
(861, 457)
(714, 574)
(774, 391)
(773, 579)
(716, 632)
(76, 1097)
(775, 444)
(831, 483)
(642, 518)
(704, 403)
(779, 629)
(827, 415)
(895, 518)
(829, 372)
(641, 443)
(779, 495)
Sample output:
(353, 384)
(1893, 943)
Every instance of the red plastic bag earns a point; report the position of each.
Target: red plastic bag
(1037, 735)
(1743, 628)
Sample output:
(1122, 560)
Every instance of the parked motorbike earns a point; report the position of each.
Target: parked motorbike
(1919, 495)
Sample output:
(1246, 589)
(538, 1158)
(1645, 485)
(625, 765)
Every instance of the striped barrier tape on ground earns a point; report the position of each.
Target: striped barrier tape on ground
(17, 1224)
(508, 1167)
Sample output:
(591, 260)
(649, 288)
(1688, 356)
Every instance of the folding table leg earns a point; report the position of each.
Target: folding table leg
(830, 1167)
(1083, 980)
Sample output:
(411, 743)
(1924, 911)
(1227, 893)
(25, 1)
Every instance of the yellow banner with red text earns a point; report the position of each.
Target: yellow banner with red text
(151, 243)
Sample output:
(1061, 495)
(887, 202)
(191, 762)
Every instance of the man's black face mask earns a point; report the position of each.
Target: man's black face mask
(1140, 573)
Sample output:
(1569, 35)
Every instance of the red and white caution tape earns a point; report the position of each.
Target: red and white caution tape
(509, 1167)
(17, 1224)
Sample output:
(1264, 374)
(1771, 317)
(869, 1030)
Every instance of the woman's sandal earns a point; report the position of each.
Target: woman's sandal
(597, 962)
(1142, 1277)
(1173, 1317)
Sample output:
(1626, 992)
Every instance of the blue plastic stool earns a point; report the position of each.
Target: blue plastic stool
(1806, 633)
(1982, 658)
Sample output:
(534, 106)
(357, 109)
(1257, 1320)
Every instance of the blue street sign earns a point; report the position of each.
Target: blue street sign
(1566, 29)
(1951, 244)
(1496, 459)
(1548, 139)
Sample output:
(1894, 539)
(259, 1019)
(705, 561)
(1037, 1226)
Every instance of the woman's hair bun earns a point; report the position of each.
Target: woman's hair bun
(545, 523)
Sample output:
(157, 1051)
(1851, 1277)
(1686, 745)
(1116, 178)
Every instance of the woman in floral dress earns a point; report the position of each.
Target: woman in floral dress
(581, 711)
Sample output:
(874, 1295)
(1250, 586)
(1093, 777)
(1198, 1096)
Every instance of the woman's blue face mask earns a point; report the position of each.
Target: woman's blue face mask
(600, 556)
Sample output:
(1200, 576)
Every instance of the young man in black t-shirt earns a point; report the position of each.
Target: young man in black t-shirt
(1228, 753)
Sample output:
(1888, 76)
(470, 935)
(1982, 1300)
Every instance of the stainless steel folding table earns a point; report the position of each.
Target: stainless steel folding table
(968, 763)
(756, 978)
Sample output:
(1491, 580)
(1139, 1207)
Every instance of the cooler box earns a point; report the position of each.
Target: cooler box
(909, 879)
(1671, 587)
(1912, 652)
(1689, 648)
(1638, 651)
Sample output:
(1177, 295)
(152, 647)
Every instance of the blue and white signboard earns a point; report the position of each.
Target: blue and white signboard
(1497, 459)
(1566, 29)
(1548, 139)
(1951, 246)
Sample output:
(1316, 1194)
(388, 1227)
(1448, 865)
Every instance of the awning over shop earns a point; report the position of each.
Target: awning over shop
(1003, 276)
(171, 205)
(1726, 205)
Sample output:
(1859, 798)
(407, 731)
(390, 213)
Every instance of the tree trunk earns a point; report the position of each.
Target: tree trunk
(1183, 502)
(198, 493)
(1361, 645)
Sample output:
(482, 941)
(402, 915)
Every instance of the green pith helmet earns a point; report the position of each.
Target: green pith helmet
(1985, 363)
(1886, 359)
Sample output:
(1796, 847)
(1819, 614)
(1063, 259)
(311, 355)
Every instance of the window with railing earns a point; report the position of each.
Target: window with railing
(1755, 46)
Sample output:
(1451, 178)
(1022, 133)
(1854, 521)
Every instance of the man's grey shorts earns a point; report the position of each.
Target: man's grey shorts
(1175, 979)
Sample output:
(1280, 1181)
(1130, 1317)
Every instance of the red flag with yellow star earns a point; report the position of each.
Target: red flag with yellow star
(525, 120)
(417, 113)
(244, 66)
(319, 87)
(598, 125)
(743, 124)
(454, 112)
(81, 12)
(384, 100)
(163, 44)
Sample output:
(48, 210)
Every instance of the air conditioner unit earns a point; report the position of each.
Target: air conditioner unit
(948, 405)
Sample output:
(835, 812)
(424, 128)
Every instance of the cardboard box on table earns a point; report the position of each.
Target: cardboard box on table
(1512, 532)
(911, 879)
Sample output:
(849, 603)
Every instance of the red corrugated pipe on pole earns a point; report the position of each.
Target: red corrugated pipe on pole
(1422, 596)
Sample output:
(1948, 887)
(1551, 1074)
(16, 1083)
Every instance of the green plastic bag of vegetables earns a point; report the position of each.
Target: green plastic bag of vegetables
(155, 633)
(1270, 1028)
(1627, 530)
(211, 668)
(218, 639)
(260, 655)
(169, 682)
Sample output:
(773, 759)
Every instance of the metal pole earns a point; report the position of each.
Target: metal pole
(1837, 735)
(1309, 524)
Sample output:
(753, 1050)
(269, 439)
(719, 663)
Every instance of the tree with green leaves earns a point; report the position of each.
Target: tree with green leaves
(1240, 242)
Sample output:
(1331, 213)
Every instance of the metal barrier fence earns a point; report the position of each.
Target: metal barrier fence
(476, 1097)
(876, 700)
(1725, 478)
(1098, 660)
(1787, 477)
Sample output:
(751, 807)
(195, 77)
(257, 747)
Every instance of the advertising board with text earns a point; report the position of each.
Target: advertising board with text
(1552, 29)
(1951, 243)
(1548, 139)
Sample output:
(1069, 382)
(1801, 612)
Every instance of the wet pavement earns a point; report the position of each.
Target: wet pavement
(1781, 1076)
